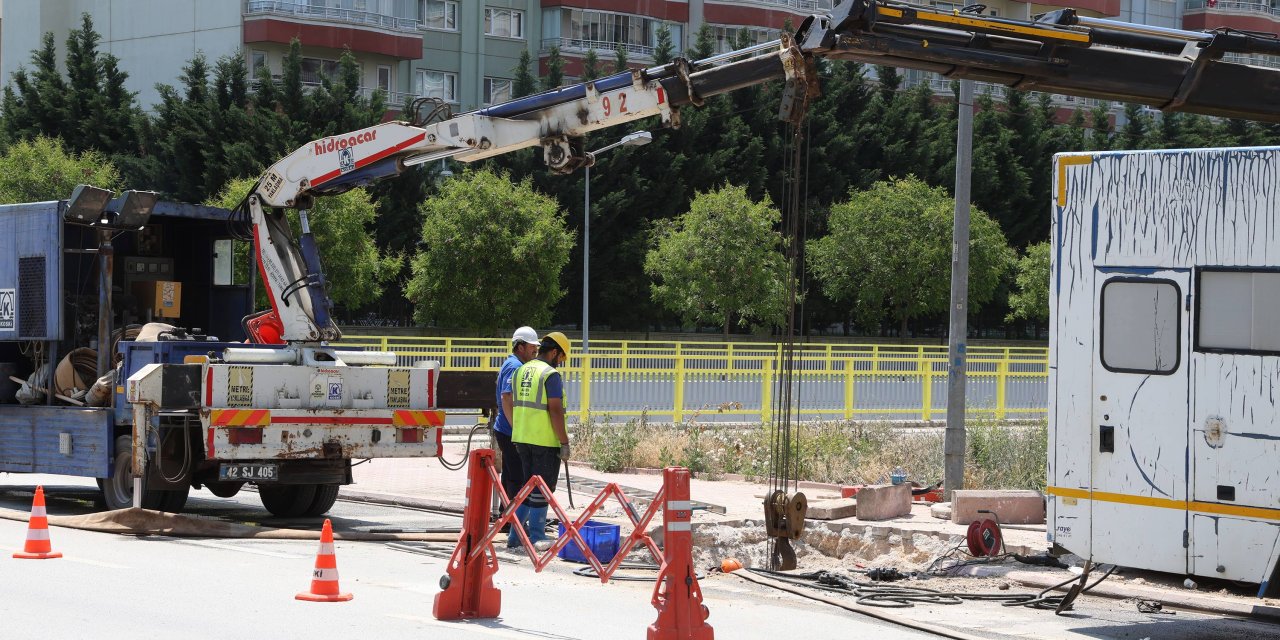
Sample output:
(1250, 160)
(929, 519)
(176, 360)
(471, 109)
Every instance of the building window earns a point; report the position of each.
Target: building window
(1140, 323)
(504, 23)
(1236, 311)
(497, 90)
(257, 60)
(439, 14)
(313, 69)
(384, 79)
(437, 84)
(726, 37)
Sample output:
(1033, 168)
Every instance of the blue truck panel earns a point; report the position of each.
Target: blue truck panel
(31, 272)
(30, 440)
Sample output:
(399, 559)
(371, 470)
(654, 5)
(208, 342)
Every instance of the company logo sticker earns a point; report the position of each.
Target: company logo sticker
(8, 309)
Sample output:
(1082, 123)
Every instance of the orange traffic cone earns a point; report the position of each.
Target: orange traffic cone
(37, 547)
(324, 580)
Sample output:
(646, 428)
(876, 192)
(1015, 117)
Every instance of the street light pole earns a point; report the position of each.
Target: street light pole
(636, 139)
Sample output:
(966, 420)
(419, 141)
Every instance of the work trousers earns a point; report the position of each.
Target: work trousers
(513, 476)
(539, 461)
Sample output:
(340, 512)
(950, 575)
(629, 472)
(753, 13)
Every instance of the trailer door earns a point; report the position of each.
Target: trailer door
(1139, 449)
(1235, 423)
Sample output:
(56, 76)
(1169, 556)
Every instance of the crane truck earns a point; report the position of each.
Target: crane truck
(290, 411)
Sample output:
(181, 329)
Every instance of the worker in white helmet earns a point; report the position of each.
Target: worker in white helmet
(524, 346)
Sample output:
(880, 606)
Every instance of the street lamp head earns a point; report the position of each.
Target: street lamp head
(637, 139)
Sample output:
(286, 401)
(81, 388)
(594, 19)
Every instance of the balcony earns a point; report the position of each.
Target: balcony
(328, 14)
(603, 48)
(800, 6)
(1236, 14)
(332, 28)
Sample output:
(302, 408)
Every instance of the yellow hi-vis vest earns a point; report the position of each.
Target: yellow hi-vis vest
(531, 422)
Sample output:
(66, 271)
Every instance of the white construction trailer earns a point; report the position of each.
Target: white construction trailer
(1164, 422)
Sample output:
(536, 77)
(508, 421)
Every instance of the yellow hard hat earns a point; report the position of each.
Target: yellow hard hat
(560, 340)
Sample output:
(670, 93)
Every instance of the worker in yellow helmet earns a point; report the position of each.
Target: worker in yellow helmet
(538, 430)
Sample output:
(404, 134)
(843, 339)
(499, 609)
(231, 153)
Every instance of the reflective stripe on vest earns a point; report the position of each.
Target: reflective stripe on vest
(530, 417)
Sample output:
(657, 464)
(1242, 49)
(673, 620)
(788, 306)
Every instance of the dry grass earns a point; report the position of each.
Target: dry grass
(999, 456)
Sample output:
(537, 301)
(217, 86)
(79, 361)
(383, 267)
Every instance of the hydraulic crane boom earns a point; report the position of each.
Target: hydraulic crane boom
(1060, 52)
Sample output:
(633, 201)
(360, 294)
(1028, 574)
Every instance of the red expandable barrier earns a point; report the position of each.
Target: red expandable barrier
(467, 588)
(677, 596)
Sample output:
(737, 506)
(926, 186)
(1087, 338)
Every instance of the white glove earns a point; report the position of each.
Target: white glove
(564, 451)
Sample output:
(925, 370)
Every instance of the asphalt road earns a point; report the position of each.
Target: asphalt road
(110, 586)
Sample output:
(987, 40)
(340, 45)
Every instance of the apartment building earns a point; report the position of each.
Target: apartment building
(466, 51)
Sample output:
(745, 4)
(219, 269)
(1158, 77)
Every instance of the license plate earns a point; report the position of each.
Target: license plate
(249, 472)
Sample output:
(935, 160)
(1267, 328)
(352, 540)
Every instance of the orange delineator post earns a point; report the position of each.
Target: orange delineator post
(38, 546)
(676, 596)
(468, 590)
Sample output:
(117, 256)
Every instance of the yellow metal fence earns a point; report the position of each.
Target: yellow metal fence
(735, 381)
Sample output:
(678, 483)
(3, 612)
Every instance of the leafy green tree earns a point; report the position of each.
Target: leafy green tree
(1031, 301)
(889, 248)
(43, 169)
(721, 262)
(620, 62)
(354, 267)
(555, 69)
(492, 254)
(1136, 127)
(1100, 122)
(526, 82)
(704, 44)
(90, 109)
(665, 50)
(1001, 184)
(590, 66)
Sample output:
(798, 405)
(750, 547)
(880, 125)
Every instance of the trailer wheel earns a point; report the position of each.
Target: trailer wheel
(224, 489)
(287, 500)
(326, 495)
(117, 491)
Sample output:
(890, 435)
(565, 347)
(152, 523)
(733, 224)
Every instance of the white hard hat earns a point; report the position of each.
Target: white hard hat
(525, 334)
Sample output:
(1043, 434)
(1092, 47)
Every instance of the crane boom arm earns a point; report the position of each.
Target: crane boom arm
(1061, 52)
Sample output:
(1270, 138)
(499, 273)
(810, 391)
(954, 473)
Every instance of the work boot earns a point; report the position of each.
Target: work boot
(513, 538)
(537, 519)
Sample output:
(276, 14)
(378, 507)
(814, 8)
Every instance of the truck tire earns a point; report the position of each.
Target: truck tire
(224, 489)
(287, 500)
(326, 495)
(117, 491)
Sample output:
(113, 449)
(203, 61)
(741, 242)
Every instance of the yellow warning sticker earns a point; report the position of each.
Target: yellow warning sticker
(398, 388)
(240, 386)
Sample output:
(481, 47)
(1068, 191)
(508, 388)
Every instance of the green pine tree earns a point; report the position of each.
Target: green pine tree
(664, 51)
(590, 66)
(555, 70)
(620, 62)
(525, 82)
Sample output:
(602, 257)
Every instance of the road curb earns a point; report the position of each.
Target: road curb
(400, 500)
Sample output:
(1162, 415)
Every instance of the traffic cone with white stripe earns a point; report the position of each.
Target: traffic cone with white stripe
(324, 580)
(38, 547)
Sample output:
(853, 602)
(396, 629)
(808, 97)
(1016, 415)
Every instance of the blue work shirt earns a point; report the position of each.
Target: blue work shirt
(509, 366)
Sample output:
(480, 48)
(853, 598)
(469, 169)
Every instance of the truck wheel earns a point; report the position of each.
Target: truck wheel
(224, 489)
(287, 500)
(117, 491)
(326, 495)
(172, 501)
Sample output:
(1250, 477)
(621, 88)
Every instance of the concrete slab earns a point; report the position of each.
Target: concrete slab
(832, 509)
(1012, 507)
(883, 501)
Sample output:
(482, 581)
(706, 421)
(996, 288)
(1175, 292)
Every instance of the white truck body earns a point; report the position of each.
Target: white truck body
(1164, 427)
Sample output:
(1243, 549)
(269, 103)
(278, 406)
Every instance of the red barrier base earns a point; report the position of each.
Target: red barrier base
(467, 589)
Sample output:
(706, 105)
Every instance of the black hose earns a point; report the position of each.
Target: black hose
(878, 594)
(589, 571)
(454, 466)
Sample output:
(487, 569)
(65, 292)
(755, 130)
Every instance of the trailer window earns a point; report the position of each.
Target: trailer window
(1140, 326)
(1237, 311)
(230, 262)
